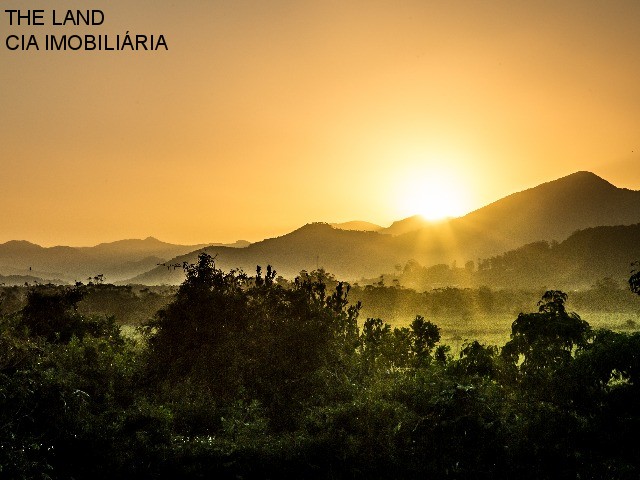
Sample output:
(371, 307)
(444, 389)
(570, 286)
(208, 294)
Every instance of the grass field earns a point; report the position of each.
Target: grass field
(496, 329)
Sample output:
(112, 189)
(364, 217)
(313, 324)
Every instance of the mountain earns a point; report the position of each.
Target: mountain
(115, 260)
(341, 252)
(551, 211)
(358, 225)
(133, 248)
(352, 250)
(18, 280)
(581, 260)
(406, 225)
(556, 209)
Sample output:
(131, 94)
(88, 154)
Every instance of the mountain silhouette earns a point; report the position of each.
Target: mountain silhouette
(550, 211)
(406, 225)
(556, 209)
(578, 262)
(358, 225)
(117, 260)
(314, 245)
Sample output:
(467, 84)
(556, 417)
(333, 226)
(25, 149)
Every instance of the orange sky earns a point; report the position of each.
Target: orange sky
(264, 116)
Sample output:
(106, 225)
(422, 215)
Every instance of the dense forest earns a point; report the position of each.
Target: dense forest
(240, 376)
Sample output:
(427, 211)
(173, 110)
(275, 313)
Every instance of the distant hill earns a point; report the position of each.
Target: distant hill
(116, 260)
(358, 225)
(13, 280)
(406, 225)
(551, 211)
(578, 262)
(353, 250)
(341, 252)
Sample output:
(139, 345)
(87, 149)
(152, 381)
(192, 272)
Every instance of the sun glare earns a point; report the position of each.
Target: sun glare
(435, 196)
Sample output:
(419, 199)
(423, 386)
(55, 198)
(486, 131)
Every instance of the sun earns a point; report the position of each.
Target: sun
(433, 195)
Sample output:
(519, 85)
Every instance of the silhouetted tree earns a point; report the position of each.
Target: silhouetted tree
(634, 280)
(196, 338)
(51, 312)
(477, 359)
(424, 337)
(231, 337)
(545, 340)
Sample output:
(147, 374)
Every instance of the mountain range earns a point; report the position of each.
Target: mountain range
(549, 212)
(22, 261)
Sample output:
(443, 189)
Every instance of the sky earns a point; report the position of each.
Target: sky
(263, 116)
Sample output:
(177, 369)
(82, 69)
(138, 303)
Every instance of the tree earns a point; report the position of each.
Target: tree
(374, 341)
(52, 312)
(545, 340)
(477, 359)
(634, 280)
(196, 338)
(229, 337)
(424, 337)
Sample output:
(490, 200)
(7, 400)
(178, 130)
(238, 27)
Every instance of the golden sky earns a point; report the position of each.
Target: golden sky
(266, 115)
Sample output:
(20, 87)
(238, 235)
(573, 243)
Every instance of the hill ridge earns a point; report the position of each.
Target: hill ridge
(550, 211)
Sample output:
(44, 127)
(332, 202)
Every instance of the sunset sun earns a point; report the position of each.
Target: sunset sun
(434, 196)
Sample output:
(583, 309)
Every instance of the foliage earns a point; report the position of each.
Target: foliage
(252, 377)
(52, 313)
(546, 339)
(230, 336)
(634, 279)
(62, 399)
